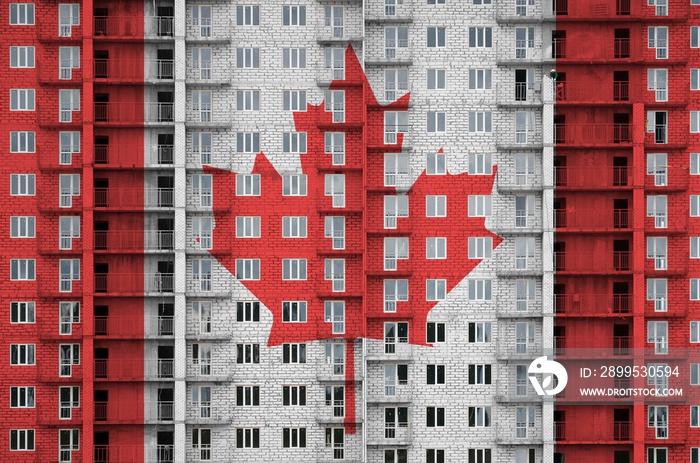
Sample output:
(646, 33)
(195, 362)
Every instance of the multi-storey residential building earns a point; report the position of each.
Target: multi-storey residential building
(324, 230)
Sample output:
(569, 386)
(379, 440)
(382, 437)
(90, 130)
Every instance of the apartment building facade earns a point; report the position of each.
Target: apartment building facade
(324, 231)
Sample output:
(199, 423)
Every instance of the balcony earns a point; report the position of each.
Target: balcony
(592, 220)
(48, 30)
(509, 13)
(133, 369)
(51, 73)
(132, 453)
(138, 241)
(592, 263)
(133, 199)
(392, 434)
(125, 327)
(391, 392)
(582, 92)
(605, 432)
(592, 304)
(519, 94)
(154, 411)
(592, 178)
(133, 114)
(667, 179)
(125, 156)
(342, 30)
(132, 284)
(510, 180)
(125, 28)
(583, 346)
(593, 135)
(133, 71)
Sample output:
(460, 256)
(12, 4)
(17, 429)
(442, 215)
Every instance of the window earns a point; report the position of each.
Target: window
(479, 206)
(247, 15)
(293, 396)
(22, 99)
(524, 420)
(247, 396)
(395, 455)
(22, 439)
(22, 227)
(524, 337)
(480, 164)
(294, 269)
(394, 291)
(695, 374)
(201, 315)
(694, 416)
(69, 144)
(480, 37)
(22, 142)
(201, 146)
(657, 207)
(68, 101)
(334, 312)
(22, 354)
(436, 122)
(335, 103)
(524, 252)
(695, 289)
(334, 270)
(335, 61)
(394, 250)
(22, 184)
(435, 417)
(436, 206)
(69, 355)
(436, 248)
(248, 58)
(201, 401)
(294, 15)
(437, 79)
(524, 42)
(69, 270)
(201, 357)
(394, 417)
(68, 441)
(68, 16)
(394, 333)
(435, 290)
(22, 269)
(22, 397)
(480, 79)
(68, 399)
(695, 79)
(294, 437)
(333, 17)
(202, 188)
(335, 438)
(524, 168)
(22, 312)
(248, 269)
(479, 417)
(480, 332)
(524, 294)
(247, 311)
(657, 124)
(294, 311)
(68, 59)
(202, 231)
(294, 142)
(657, 250)
(524, 126)
(21, 57)
(694, 121)
(293, 227)
(294, 100)
(657, 81)
(695, 205)
(394, 123)
(479, 374)
(247, 185)
(68, 315)
(695, 332)
(68, 186)
(201, 62)
(335, 145)
(69, 228)
(247, 438)
(394, 38)
(247, 100)
(436, 37)
(657, 334)
(21, 14)
(524, 210)
(658, 418)
(480, 455)
(395, 206)
(335, 187)
(247, 227)
(294, 58)
(438, 2)
(201, 19)
(658, 39)
(201, 443)
(202, 103)
(394, 375)
(201, 272)
(480, 121)
(694, 36)
(480, 248)
(293, 353)
(435, 374)
(335, 356)
(294, 185)
(435, 333)
(395, 83)
(480, 290)
(248, 353)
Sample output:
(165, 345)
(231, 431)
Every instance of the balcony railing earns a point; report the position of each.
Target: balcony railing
(581, 345)
(592, 304)
(134, 240)
(132, 369)
(592, 177)
(116, 27)
(133, 113)
(594, 219)
(131, 327)
(607, 432)
(133, 198)
(132, 453)
(591, 262)
(668, 178)
(133, 283)
(154, 411)
(129, 156)
(592, 134)
(580, 92)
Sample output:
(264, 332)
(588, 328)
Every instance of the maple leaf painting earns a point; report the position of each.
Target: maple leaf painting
(361, 212)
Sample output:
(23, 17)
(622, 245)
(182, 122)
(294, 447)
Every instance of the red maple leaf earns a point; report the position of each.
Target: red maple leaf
(364, 236)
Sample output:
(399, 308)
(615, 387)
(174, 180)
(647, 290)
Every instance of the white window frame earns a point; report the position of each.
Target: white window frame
(436, 37)
(294, 351)
(69, 271)
(65, 407)
(480, 247)
(294, 58)
(294, 311)
(22, 269)
(294, 185)
(22, 226)
(202, 316)
(435, 289)
(395, 291)
(436, 122)
(69, 144)
(294, 100)
(395, 249)
(657, 81)
(657, 249)
(22, 312)
(657, 334)
(247, 269)
(294, 15)
(248, 226)
(21, 14)
(480, 122)
(480, 289)
(248, 184)
(68, 187)
(248, 15)
(437, 79)
(658, 39)
(294, 142)
(436, 206)
(68, 355)
(480, 37)
(335, 186)
(335, 61)
(22, 354)
(21, 57)
(68, 16)
(395, 37)
(247, 58)
(525, 294)
(395, 83)
(202, 274)
(335, 146)
(483, 417)
(68, 59)
(22, 99)
(202, 19)
(19, 436)
(334, 271)
(22, 396)
(68, 230)
(68, 101)
(436, 247)
(201, 148)
(395, 207)
(294, 227)
(334, 313)
(202, 232)
(68, 315)
(335, 104)
(294, 269)
(658, 418)
(695, 79)
(480, 205)
(202, 104)
(201, 62)
(201, 401)
(480, 79)
(22, 141)
(480, 164)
